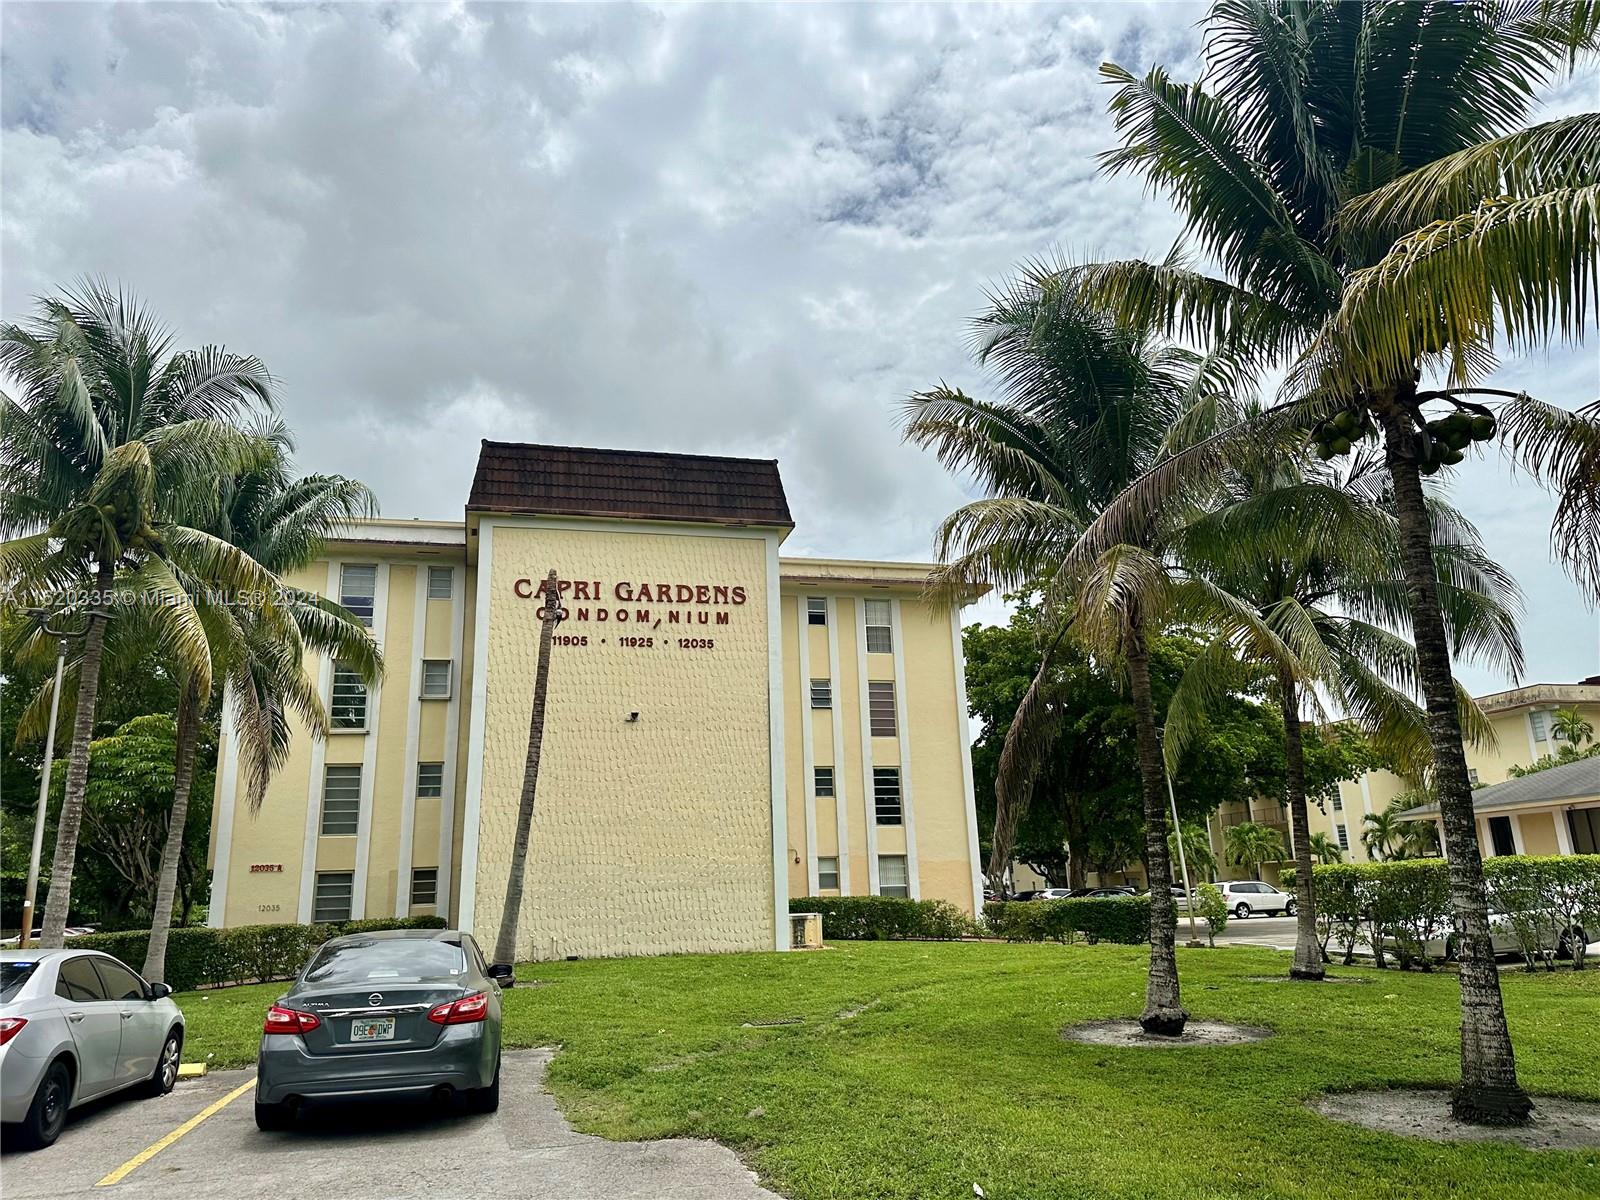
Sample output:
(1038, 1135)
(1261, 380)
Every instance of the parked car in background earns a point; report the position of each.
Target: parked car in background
(1108, 893)
(33, 938)
(1055, 893)
(1251, 897)
(1026, 895)
(402, 1012)
(1546, 928)
(76, 1025)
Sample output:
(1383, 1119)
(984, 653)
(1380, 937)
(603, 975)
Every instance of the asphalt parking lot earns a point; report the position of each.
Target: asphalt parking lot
(1275, 933)
(371, 1150)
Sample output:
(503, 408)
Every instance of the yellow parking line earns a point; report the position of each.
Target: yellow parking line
(149, 1152)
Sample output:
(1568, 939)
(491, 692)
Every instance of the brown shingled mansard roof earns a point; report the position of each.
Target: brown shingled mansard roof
(577, 481)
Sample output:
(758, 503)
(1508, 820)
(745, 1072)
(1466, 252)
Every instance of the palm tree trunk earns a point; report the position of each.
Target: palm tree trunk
(505, 946)
(1488, 1092)
(155, 955)
(1163, 1011)
(1307, 946)
(59, 899)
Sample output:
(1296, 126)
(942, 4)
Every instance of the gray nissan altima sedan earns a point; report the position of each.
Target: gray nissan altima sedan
(402, 1012)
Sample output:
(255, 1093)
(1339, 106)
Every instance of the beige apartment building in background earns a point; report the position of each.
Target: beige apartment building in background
(727, 727)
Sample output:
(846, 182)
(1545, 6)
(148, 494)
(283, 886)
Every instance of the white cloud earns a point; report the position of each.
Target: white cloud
(736, 229)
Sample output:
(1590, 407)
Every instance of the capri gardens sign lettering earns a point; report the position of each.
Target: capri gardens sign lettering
(641, 604)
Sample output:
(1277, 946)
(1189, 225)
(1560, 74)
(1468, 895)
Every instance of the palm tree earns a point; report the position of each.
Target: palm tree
(1357, 176)
(283, 523)
(108, 421)
(1569, 726)
(1249, 845)
(1316, 549)
(505, 945)
(1196, 851)
(1324, 849)
(1381, 835)
(1085, 404)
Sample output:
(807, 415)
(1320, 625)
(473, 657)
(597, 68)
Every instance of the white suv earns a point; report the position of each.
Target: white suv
(1246, 897)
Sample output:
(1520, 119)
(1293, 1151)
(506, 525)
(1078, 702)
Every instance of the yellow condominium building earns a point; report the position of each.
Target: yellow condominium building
(1510, 821)
(726, 728)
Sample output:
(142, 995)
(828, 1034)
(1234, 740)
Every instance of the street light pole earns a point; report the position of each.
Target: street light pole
(1183, 859)
(44, 794)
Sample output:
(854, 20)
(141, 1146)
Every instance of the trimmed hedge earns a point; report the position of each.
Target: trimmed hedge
(1100, 918)
(885, 918)
(1404, 905)
(199, 956)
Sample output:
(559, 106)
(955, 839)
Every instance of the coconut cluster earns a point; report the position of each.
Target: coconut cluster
(1341, 431)
(1444, 441)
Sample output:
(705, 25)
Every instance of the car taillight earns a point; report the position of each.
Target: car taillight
(287, 1020)
(10, 1027)
(461, 1012)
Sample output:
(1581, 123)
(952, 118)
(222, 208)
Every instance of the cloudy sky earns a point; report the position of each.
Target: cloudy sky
(742, 230)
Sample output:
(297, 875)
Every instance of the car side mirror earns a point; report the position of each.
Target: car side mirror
(160, 991)
(502, 974)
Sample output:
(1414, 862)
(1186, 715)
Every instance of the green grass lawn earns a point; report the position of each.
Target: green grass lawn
(951, 1071)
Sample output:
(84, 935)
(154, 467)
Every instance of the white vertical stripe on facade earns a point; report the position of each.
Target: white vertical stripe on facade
(964, 739)
(467, 905)
(903, 735)
(227, 799)
(1516, 834)
(319, 758)
(780, 813)
(408, 781)
(452, 738)
(369, 753)
(808, 769)
(862, 705)
(1563, 830)
(839, 789)
(1533, 745)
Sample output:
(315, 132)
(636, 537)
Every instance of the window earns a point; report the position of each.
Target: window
(1500, 835)
(1338, 800)
(341, 800)
(436, 678)
(331, 900)
(358, 589)
(823, 781)
(121, 983)
(1540, 722)
(1585, 826)
(880, 637)
(1472, 776)
(441, 583)
(886, 795)
(1344, 837)
(349, 707)
(893, 879)
(816, 610)
(77, 981)
(828, 874)
(430, 780)
(880, 707)
(821, 693)
(425, 885)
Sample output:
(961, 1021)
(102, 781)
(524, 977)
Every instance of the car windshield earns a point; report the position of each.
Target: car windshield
(387, 960)
(12, 976)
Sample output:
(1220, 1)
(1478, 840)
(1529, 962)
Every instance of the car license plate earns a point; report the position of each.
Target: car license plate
(377, 1029)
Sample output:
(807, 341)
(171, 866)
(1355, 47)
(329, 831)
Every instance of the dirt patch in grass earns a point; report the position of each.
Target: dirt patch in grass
(1309, 982)
(1556, 1124)
(1195, 1033)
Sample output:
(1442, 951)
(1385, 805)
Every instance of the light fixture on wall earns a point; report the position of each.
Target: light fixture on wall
(632, 717)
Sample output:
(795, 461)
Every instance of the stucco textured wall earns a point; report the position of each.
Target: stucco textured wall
(652, 836)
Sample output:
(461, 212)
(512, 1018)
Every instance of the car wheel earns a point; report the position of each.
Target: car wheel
(486, 1100)
(274, 1118)
(1241, 911)
(47, 1115)
(1290, 909)
(166, 1072)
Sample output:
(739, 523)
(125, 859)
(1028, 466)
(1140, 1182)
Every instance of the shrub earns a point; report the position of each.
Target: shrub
(884, 918)
(198, 956)
(1212, 906)
(1125, 919)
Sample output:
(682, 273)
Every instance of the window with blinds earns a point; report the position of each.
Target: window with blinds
(341, 800)
(441, 583)
(816, 610)
(430, 780)
(348, 707)
(331, 899)
(436, 679)
(880, 707)
(828, 874)
(822, 693)
(886, 795)
(880, 634)
(358, 589)
(893, 877)
(425, 886)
